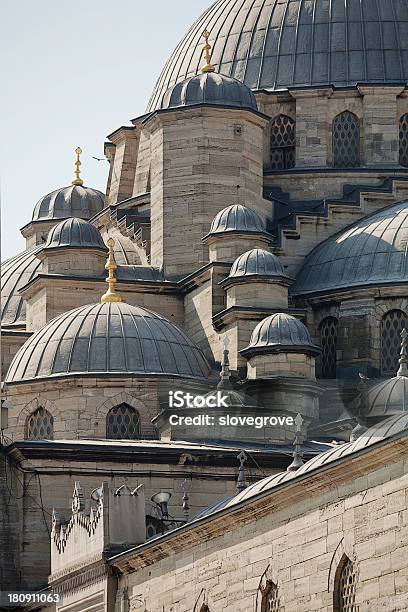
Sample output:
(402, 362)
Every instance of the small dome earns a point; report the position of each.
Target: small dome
(209, 88)
(371, 252)
(15, 273)
(108, 339)
(257, 262)
(72, 201)
(388, 398)
(281, 333)
(75, 233)
(237, 218)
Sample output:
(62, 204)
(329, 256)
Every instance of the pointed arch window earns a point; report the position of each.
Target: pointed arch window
(283, 145)
(40, 425)
(327, 363)
(345, 587)
(392, 324)
(270, 598)
(403, 140)
(123, 423)
(346, 140)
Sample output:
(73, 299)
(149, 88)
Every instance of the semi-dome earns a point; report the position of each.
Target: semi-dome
(75, 233)
(209, 88)
(371, 252)
(237, 218)
(108, 339)
(71, 201)
(281, 333)
(259, 263)
(290, 43)
(15, 273)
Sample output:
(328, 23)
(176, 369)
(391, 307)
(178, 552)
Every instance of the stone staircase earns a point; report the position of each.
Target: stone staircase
(298, 226)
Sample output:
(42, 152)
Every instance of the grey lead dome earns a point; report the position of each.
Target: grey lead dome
(75, 233)
(257, 262)
(277, 44)
(237, 218)
(281, 332)
(71, 201)
(368, 253)
(209, 88)
(108, 338)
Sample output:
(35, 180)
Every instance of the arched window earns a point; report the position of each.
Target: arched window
(123, 423)
(345, 587)
(40, 425)
(328, 341)
(346, 140)
(392, 324)
(283, 134)
(204, 608)
(270, 598)
(403, 140)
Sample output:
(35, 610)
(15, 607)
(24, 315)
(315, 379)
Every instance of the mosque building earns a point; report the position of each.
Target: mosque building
(251, 243)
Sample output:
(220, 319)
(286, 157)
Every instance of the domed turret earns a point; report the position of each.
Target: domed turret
(71, 201)
(235, 229)
(281, 346)
(281, 333)
(237, 218)
(209, 88)
(257, 263)
(75, 233)
(257, 280)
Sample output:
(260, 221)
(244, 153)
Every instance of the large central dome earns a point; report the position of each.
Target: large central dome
(276, 44)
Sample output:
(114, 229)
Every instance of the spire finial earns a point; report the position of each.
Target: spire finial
(403, 360)
(225, 375)
(241, 480)
(208, 67)
(77, 180)
(111, 295)
(297, 447)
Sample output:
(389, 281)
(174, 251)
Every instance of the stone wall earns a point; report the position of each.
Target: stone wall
(296, 537)
(10, 516)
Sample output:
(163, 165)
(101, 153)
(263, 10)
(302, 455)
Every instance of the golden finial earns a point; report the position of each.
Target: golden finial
(77, 180)
(111, 295)
(208, 67)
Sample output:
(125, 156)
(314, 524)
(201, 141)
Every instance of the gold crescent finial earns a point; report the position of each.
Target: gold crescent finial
(77, 180)
(208, 67)
(111, 295)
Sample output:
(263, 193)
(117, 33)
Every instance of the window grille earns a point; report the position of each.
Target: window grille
(40, 425)
(283, 133)
(328, 330)
(403, 140)
(270, 598)
(346, 141)
(392, 324)
(345, 589)
(123, 423)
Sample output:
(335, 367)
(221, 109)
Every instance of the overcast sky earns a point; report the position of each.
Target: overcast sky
(71, 73)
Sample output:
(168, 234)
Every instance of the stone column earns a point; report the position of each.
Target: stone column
(311, 126)
(381, 126)
(126, 141)
(199, 156)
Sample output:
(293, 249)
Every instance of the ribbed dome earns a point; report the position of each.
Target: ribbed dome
(388, 398)
(276, 44)
(15, 273)
(370, 252)
(257, 262)
(72, 201)
(281, 333)
(75, 232)
(108, 338)
(237, 218)
(209, 88)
